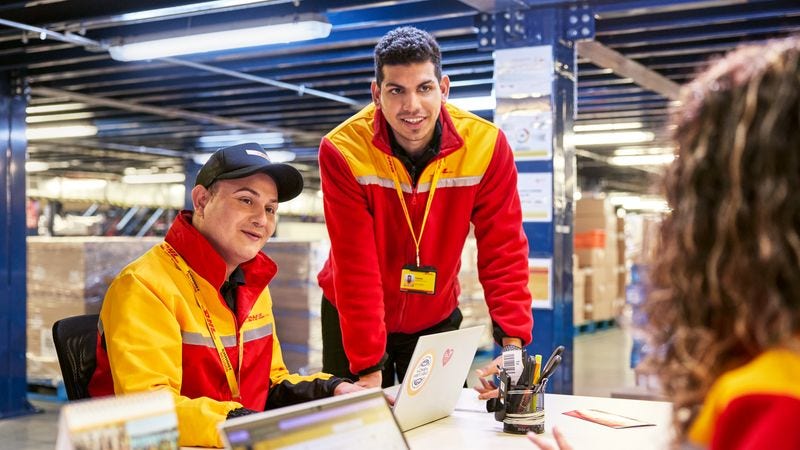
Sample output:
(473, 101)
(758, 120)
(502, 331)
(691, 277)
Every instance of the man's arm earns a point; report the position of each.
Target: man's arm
(143, 340)
(357, 280)
(289, 389)
(503, 247)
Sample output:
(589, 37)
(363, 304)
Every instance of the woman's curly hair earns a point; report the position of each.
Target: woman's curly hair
(725, 284)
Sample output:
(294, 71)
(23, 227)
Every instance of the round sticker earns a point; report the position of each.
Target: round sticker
(420, 372)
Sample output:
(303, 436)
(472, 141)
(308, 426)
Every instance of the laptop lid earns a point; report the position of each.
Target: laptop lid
(435, 376)
(362, 418)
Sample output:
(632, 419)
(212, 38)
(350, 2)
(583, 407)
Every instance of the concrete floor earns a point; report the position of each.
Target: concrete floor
(601, 366)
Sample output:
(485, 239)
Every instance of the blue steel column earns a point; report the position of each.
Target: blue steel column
(557, 27)
(13, 262)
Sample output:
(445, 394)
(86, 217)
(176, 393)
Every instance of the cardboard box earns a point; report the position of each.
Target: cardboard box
(591, 257)
(295, 285)
(69, 276)
(578, 296)
(593, 206)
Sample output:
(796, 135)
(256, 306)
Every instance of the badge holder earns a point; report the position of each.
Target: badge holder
(418, 280)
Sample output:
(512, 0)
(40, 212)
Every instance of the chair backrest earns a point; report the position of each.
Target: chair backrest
(75, 339)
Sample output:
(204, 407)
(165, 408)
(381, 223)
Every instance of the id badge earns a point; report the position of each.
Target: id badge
(418, 280)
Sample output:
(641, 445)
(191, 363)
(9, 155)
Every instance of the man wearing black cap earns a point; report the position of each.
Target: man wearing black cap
(194, 315)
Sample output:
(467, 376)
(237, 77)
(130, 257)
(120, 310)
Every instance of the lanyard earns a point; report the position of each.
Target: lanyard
(232, 376)
(399, 190)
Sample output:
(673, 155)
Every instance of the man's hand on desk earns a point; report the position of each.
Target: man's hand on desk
(544, 444)
(487, 389)
(370, 380)
(346, 388)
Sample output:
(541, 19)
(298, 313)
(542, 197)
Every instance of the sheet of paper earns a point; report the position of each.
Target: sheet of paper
(524, 72)
(540, 282)
(536, 196)
(608, 419)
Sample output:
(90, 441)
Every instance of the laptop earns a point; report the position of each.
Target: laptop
(435, 377)
(360, 419)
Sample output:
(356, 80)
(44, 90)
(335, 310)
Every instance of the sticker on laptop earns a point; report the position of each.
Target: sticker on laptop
(446, 356)
(420, 373)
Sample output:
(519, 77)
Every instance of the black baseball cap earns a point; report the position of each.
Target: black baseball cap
(242, 160)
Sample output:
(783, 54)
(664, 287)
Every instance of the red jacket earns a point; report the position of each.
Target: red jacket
(154, 336)
(371, 241)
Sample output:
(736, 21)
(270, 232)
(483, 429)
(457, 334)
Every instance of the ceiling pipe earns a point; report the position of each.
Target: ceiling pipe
(172, 113)
(301, 90)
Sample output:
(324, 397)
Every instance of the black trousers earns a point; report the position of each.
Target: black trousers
(399, 346)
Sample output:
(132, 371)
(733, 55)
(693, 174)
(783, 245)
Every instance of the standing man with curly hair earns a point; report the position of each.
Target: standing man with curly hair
(402, 180)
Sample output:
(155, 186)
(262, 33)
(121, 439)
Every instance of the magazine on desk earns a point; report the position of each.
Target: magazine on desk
(132, 422)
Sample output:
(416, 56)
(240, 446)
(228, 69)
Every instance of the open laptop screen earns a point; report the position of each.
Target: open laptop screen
(362, 418)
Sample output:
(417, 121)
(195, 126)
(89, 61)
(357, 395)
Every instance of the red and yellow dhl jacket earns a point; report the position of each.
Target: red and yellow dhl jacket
(755, 406)
(371, 240)
(153, 335)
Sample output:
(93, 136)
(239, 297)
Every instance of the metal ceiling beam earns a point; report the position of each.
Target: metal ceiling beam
(300, 89)
(172, 113)
(90, 146)
(603, 56)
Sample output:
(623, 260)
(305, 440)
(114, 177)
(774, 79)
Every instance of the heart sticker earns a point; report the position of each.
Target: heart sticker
(446, 357)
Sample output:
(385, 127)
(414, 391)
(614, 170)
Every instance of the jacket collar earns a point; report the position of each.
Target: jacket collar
(198, 253)
(450, 142)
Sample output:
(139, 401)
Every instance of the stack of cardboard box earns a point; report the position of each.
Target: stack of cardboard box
(578, 292)
(596, 246)
(296, 298)
(471, 301)
(69, 276)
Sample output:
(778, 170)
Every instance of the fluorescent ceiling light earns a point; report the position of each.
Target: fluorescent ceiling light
(474, 103)
(642, 160)
(59, 117)
(234, 138)
(154, 178)
(637, 203)
(55, 107)
(221, 40)
(183, 9)
(611, 138)
(36, 133)
(36, 166)
(275, 156)
(279, 156)
(631, 151)
(606, 127)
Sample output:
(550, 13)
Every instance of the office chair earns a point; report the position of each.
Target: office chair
(75, 339)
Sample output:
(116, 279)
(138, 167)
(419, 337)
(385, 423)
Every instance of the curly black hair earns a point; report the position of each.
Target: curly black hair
(407, 45)
(725, 284)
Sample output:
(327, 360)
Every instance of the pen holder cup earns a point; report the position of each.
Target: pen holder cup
(524, 411)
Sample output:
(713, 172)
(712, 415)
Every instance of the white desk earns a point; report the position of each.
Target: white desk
(471, 427)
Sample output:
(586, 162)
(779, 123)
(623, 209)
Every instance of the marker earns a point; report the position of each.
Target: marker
(537, 369)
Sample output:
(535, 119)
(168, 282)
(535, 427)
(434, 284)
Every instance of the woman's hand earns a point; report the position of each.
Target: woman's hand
(544, 444)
